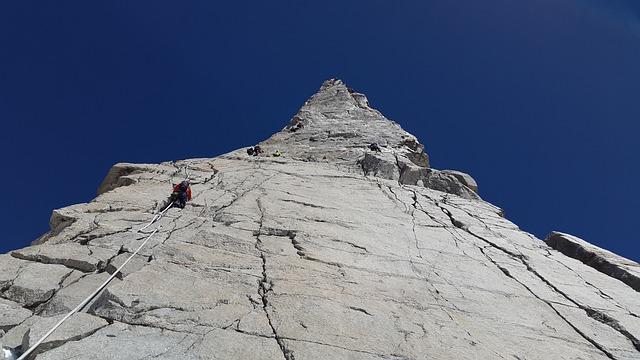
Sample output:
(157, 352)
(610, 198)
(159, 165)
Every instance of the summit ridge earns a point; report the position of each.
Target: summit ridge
(338, 126)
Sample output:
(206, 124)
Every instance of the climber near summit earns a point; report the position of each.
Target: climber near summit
(296, 124)
(181, 194)
(375, 147)
(254, 151)
(296, 127)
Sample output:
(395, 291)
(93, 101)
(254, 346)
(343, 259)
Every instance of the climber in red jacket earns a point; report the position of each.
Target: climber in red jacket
(181, 194)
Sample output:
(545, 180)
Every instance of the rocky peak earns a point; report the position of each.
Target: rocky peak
(337, 125)
(275, 258)
(333, 94)
(337, 118)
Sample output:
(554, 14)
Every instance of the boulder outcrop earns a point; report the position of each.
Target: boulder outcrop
(334, 250)
(602, 260)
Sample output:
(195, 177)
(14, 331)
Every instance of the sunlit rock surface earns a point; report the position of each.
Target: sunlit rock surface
(331, 251)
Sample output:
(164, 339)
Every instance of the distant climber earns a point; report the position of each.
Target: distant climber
(375, 147)
(278, 153)
(254, 151)
(181, 194)
(296, 124)
(296, 127)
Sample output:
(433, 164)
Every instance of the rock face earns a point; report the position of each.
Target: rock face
(336, 126)
(602, 260)
(330, 251)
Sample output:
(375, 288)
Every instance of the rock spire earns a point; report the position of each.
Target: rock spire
(334, 250)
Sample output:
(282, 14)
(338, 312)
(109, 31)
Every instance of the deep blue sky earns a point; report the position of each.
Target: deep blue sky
(538, 100)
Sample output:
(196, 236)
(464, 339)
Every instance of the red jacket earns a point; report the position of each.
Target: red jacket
(176, 188)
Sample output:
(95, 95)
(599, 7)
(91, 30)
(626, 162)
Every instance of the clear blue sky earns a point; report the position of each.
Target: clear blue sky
(538, 100)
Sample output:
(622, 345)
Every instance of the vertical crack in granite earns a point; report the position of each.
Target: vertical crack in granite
(454, 236)
(436, 294)
(238, 196)
(265, 285)
(413, 224)
(401, 168)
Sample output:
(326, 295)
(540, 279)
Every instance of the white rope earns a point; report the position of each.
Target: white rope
(100, 288)
(155, 218)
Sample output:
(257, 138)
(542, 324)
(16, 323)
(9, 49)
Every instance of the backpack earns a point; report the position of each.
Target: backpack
(184, 186)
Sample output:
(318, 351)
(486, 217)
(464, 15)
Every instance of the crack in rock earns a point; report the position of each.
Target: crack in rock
(364, 311)
(290, 234)
(265, 285)
(592, 313)
(574, 248)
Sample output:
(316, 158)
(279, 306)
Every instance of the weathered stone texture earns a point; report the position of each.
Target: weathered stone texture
(332, 251)
(602, 260)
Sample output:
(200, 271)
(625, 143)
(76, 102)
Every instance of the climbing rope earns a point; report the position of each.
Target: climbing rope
(101, 287)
